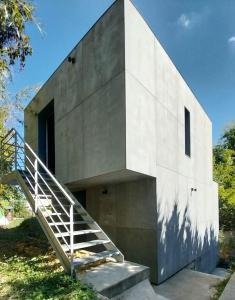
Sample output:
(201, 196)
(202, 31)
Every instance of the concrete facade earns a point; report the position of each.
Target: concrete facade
(120, 135)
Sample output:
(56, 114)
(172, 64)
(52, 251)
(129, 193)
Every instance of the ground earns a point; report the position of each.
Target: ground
(29, 268)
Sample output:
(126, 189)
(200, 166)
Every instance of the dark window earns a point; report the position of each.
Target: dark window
(187, 132)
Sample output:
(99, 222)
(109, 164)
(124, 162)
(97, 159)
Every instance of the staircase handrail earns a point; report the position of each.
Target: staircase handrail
(42, 164)
(36, 162)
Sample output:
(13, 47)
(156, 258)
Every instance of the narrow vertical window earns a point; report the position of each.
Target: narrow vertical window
(187, 132)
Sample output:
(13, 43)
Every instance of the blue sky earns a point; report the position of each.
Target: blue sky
(199, 36)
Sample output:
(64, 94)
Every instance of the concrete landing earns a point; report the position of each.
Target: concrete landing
(188, 284)
(112, 279)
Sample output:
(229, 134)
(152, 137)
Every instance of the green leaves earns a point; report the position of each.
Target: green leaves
(31, 271)
(224, 175)
(228, 138)
(14, 43)
(33, 279)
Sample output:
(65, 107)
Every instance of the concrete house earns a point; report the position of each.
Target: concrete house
(118, 125)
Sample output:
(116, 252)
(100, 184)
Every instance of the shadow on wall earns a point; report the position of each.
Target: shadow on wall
(182, 243)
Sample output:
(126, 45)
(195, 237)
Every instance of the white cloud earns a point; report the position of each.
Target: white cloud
(193, 19)
(184, 21)
(231, 40)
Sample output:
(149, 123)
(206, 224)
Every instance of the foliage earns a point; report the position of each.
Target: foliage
(224, 174)
(228, 138)
(227, 260)
(227, 214)
(21, 210)
(33, 278)
(14, 42)
(220, 288)
(227, 249)
(9, 195)
(14, 49)
(32, 270)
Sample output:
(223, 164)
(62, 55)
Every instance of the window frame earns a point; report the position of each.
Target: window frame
(187, 133)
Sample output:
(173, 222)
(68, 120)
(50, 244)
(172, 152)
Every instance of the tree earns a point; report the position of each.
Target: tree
(15, 103)
(228, 138)
(9, 195)
(224, 175)
(14, 48)
(14, 42)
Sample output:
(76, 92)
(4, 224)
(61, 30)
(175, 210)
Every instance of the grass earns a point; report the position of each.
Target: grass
(227, 259)
(29, 268)
(220, 288)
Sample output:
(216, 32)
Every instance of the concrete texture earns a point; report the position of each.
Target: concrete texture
(119, 125)
(221, 272)
(127, 214)
(89, 102)
(140, 291)
(156, 95)
(229, 291)
(188, 284)
(112, 279)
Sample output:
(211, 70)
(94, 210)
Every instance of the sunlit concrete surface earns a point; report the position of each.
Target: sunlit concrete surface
(120, 138)
(188, 284)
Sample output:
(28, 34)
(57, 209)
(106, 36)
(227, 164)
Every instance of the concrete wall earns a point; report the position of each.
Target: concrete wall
(89, 99)
(119, 115)
(156, 95)
(127, 214)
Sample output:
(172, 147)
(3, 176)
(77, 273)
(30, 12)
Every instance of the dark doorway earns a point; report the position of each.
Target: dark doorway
(81, 197)
(46, 136)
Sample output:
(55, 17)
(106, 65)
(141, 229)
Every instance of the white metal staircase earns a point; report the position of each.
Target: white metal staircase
(67, 225)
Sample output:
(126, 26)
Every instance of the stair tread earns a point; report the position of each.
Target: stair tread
(86, 244)
(113, 278)
(67, 223)
(59, 214)
(95, 257)
(50, 194)
(79, 232)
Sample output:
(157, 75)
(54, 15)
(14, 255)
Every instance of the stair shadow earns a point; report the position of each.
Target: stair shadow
(27, 239)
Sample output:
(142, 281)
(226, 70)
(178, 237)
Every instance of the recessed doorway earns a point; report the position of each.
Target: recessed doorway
(46, 136)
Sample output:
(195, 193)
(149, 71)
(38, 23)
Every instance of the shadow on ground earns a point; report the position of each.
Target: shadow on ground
(30, 270)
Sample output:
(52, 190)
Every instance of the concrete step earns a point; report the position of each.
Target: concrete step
(86, 244)
(141, 291)
(112, 279)
(79, 232)
(87, 260)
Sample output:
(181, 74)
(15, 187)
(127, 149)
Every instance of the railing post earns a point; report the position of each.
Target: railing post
(71, 238)
(15, 151)
(36, 184)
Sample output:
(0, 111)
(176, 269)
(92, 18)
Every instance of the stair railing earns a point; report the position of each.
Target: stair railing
(16, 155)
